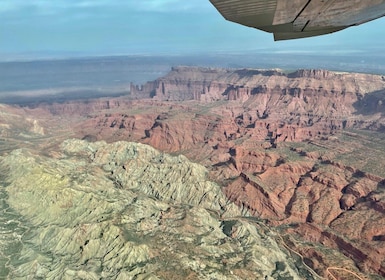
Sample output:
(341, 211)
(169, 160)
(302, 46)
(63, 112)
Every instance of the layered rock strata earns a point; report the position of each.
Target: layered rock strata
(287, 148)
(301, 105)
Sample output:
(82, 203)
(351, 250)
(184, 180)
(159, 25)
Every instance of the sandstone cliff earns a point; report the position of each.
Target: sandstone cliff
(304, 151)
(210, 84)
(301, 105)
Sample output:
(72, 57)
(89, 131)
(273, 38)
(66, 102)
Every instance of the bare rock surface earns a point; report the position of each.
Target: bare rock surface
(304, 151)
(127, 211)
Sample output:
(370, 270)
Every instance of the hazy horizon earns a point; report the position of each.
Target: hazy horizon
(51, 29)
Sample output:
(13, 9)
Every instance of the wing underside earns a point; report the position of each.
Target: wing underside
(300, 18)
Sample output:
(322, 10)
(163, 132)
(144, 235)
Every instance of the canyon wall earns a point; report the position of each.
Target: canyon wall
(304, 151)
(270, 104)
(210, 84)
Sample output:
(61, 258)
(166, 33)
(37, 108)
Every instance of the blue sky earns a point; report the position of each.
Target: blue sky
(152, 27)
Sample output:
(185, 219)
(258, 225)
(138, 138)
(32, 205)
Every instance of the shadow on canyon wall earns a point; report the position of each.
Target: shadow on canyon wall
(371, 103)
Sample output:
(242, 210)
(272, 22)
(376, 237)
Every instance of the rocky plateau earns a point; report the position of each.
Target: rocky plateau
(257, 174)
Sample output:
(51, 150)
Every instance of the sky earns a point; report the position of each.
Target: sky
(152, 27)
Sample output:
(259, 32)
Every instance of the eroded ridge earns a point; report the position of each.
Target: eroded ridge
(125, 210)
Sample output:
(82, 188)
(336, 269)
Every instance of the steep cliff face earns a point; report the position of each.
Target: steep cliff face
(288, 148)
(206, 84)
(297, 106)
(264, 104)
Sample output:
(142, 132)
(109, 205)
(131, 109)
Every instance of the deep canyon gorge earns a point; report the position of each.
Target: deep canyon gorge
(251, 174)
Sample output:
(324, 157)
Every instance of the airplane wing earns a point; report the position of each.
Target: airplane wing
(291, 19)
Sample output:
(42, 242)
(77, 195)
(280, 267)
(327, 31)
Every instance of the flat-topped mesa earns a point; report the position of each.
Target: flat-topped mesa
(192, 69)
(215, 71)
(213, 84)
(200, 83)
(312, 73)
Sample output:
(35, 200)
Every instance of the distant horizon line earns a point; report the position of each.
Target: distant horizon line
(63, 55)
